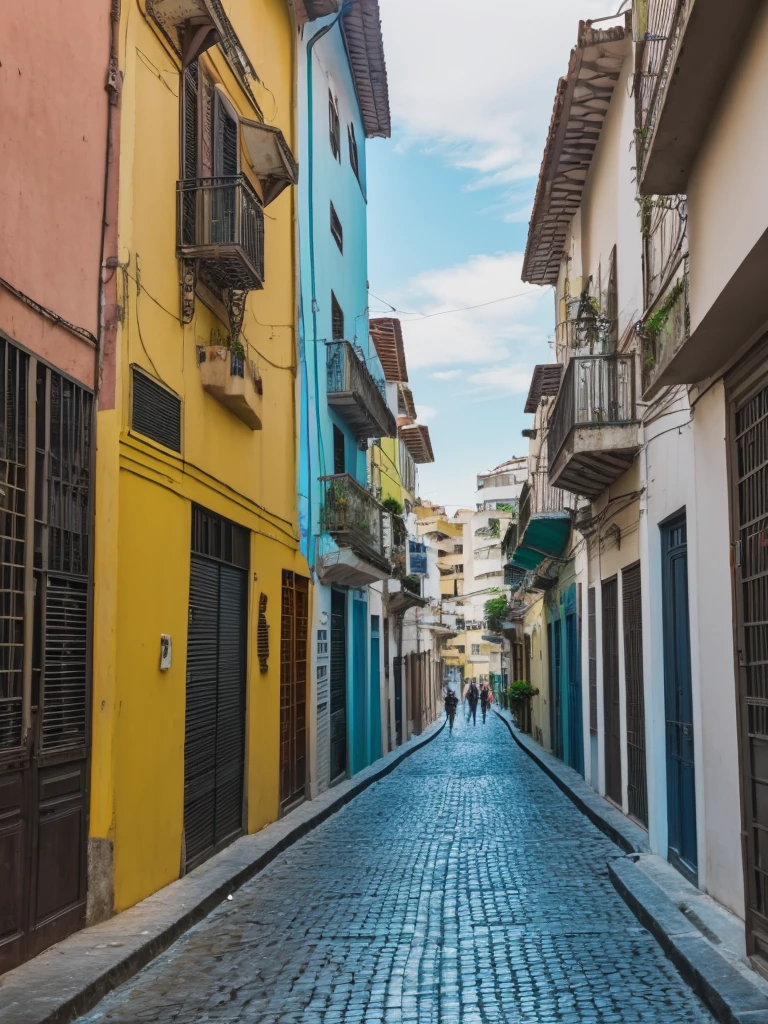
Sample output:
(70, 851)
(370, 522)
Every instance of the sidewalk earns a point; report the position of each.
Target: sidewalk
(702, 938)
(67, 979)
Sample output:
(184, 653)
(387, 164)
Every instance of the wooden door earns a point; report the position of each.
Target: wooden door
(575, 734)
(294, 635)
(611, 710)
(338, 690)
(748, 429)
(678, 700)
(214, 747)
(45, 615)
(637, 784)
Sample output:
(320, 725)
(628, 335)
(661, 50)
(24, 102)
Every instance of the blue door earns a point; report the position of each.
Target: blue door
(359, 738)
(678, 700)
(575, 732)
(375, 701)
(555, 703)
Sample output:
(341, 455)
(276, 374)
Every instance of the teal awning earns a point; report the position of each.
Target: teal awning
(546, 536)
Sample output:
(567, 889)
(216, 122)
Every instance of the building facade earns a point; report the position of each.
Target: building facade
(636, 566)
(51, 251)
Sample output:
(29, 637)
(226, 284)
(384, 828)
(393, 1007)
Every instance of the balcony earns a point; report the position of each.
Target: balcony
(593, 433)
(356, 522)
(354, 394)
(677, 39)
(666, 330)
(221, 224)
(232, 382)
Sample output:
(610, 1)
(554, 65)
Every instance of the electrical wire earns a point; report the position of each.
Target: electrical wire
(459, 309)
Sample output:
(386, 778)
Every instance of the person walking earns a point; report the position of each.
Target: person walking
(451, 703)
(486, 696)
(473, 695)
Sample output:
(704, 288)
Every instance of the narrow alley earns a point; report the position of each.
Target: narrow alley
(464, 887)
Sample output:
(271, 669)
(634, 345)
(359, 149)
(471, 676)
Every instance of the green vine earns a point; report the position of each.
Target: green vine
(655, 324)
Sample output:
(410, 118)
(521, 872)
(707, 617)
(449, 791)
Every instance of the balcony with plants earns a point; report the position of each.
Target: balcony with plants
(355, 395)
(593, 431)
(231, 378)
(357, 524)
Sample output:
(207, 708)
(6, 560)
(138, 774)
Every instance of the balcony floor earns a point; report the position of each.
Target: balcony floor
(592, 458)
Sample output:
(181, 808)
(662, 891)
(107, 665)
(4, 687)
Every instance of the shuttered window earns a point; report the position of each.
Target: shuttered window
(354, 156)
(334, 126)
(336, 229)
(337, 319)
(155, 411)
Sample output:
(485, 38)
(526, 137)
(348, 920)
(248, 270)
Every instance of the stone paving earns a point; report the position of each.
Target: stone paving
(462, 888)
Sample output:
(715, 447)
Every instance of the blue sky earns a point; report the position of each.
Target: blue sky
(449, 202)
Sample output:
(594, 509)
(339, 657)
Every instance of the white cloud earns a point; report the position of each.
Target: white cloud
(478, 81)
(425, 413)
(492, 333)
(512, 380)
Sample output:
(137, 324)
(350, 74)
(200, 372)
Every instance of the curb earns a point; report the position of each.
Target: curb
(69, 978)
(628, 836)
(723, 987)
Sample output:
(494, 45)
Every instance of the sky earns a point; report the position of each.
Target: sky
(450, 196)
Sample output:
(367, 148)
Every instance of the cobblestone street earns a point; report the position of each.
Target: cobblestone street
(464, 887)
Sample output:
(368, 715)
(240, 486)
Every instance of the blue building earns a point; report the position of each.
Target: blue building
(343, 100)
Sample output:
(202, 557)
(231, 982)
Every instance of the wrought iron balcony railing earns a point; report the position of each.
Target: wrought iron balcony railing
(597, 391)
(354, 518)
(353, 392)
(221, 223)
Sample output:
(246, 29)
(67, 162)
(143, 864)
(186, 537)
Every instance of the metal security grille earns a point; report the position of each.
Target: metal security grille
(612, 728)
(13, 484)
(338, 685)
(45, 489)
(64, 706)
(750, 499)
(155, 411)
(592, 637)
(214, 749)
(293, 689)
(637, 784)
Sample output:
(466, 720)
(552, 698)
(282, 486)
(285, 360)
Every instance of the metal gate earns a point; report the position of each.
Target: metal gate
(637, 785)
(678, 700)
(611, 711)
(397, 668)
(45, 616)
(214, 747)
(338, 685)
(749, 487)
(294, 625)
(555, 708)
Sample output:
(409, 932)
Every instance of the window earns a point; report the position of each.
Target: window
(155, 411)
(339, 460)
(337, 319)
(211, 129)
(460, 648)
(336, 229)
(458, 549)
(475, 648)
(322, 643)
(354, 156)
(334, 126)
(459, 568)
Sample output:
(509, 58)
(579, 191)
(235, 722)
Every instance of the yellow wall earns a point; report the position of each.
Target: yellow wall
(145, 493)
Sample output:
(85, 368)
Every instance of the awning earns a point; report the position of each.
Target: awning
(193, 26)
(416, 440)
(546, 536)
(270, 157)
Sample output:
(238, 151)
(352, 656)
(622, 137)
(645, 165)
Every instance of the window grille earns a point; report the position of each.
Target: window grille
(155, 411)
(334, 126)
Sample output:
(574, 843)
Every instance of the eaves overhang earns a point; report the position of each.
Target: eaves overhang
(387, 337)
(361, 25)
(581, 103)
(545, 383)
(416, 439)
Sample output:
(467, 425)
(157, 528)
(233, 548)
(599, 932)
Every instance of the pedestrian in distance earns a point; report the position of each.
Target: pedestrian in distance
(486, 697)
(451, 703)
(473, 696)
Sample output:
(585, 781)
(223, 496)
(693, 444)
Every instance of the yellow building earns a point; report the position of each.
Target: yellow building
(197, 563)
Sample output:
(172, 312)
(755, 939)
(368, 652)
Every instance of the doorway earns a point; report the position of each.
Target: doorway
(45, 615)
(294, 636)
(338, 692)
(611, 708)
(678, 699)
(637, 784)
(214, 744)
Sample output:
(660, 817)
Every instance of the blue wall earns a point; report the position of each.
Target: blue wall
(324, 269)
